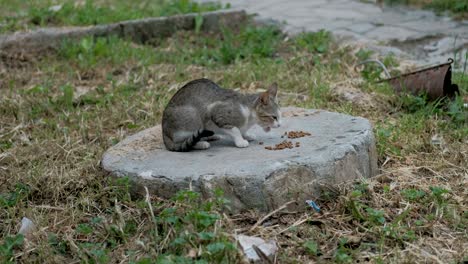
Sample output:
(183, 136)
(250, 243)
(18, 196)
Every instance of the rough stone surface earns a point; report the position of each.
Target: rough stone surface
(140, 30)
(382, 28)
(340, 148)
(247, 244)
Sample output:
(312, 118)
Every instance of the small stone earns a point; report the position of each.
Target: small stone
(55, 8)
(436, 140)
(247, 243)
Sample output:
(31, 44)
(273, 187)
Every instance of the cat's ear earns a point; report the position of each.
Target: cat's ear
(273, 91)
(264, 97)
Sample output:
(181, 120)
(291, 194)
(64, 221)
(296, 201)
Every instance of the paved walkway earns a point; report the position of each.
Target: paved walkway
(416, 34)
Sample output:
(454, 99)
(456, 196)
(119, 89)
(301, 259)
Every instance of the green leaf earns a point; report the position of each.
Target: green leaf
(311, 247)
(84, 229)
(67, 95)
(438, 191)
(215, 248)
(86, 44)
(198, 23)
(10, 242)
(206, 235)
(413, 194)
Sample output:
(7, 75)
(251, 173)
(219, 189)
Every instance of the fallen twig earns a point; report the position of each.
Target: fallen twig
(259, 222)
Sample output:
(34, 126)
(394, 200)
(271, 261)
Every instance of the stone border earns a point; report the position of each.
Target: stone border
(140, 30)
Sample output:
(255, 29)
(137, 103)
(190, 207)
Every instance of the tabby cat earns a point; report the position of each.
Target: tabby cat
(202, 111)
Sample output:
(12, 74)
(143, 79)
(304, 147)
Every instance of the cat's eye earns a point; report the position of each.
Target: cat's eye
(275, 118)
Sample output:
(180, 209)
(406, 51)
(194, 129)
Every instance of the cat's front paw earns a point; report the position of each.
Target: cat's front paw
(242, 143)
(201, 145)
(249, 137)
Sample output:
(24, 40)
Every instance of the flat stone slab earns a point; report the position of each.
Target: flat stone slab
(340, 148)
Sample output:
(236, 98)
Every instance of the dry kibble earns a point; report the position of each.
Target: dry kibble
(286, 144)
(283, 145)
(297, 134)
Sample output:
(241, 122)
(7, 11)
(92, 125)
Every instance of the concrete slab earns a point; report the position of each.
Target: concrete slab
(340, 148)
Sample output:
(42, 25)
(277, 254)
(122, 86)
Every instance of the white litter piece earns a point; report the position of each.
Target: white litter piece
(27, 226)
(268, 248)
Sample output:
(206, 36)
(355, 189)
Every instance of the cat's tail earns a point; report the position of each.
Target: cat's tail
(187, 142)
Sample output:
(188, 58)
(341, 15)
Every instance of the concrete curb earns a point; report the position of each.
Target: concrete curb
(141, 30)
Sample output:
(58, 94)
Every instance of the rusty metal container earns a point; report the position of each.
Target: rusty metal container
(435, 82)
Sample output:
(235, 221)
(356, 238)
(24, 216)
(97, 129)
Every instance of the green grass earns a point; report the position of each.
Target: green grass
(21, 15)
(59, 112)
(457, 7)
(250, 43)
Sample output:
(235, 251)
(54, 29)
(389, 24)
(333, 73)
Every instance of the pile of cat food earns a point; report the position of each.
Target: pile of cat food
(296, 134)
(283, 145)
(287, 144)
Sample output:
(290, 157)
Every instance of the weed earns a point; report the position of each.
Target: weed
(413, 195)
(90, 52)
(375, 216)
(13, 198)
(311, 247)
(342, 254)
(7, 247)
(438, 194)
(314, 42)
(458, 7)
(251, 43)
(457, 112)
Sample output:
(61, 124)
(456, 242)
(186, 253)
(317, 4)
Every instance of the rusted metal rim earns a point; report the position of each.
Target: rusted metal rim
(450, 61)
(435, 82)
